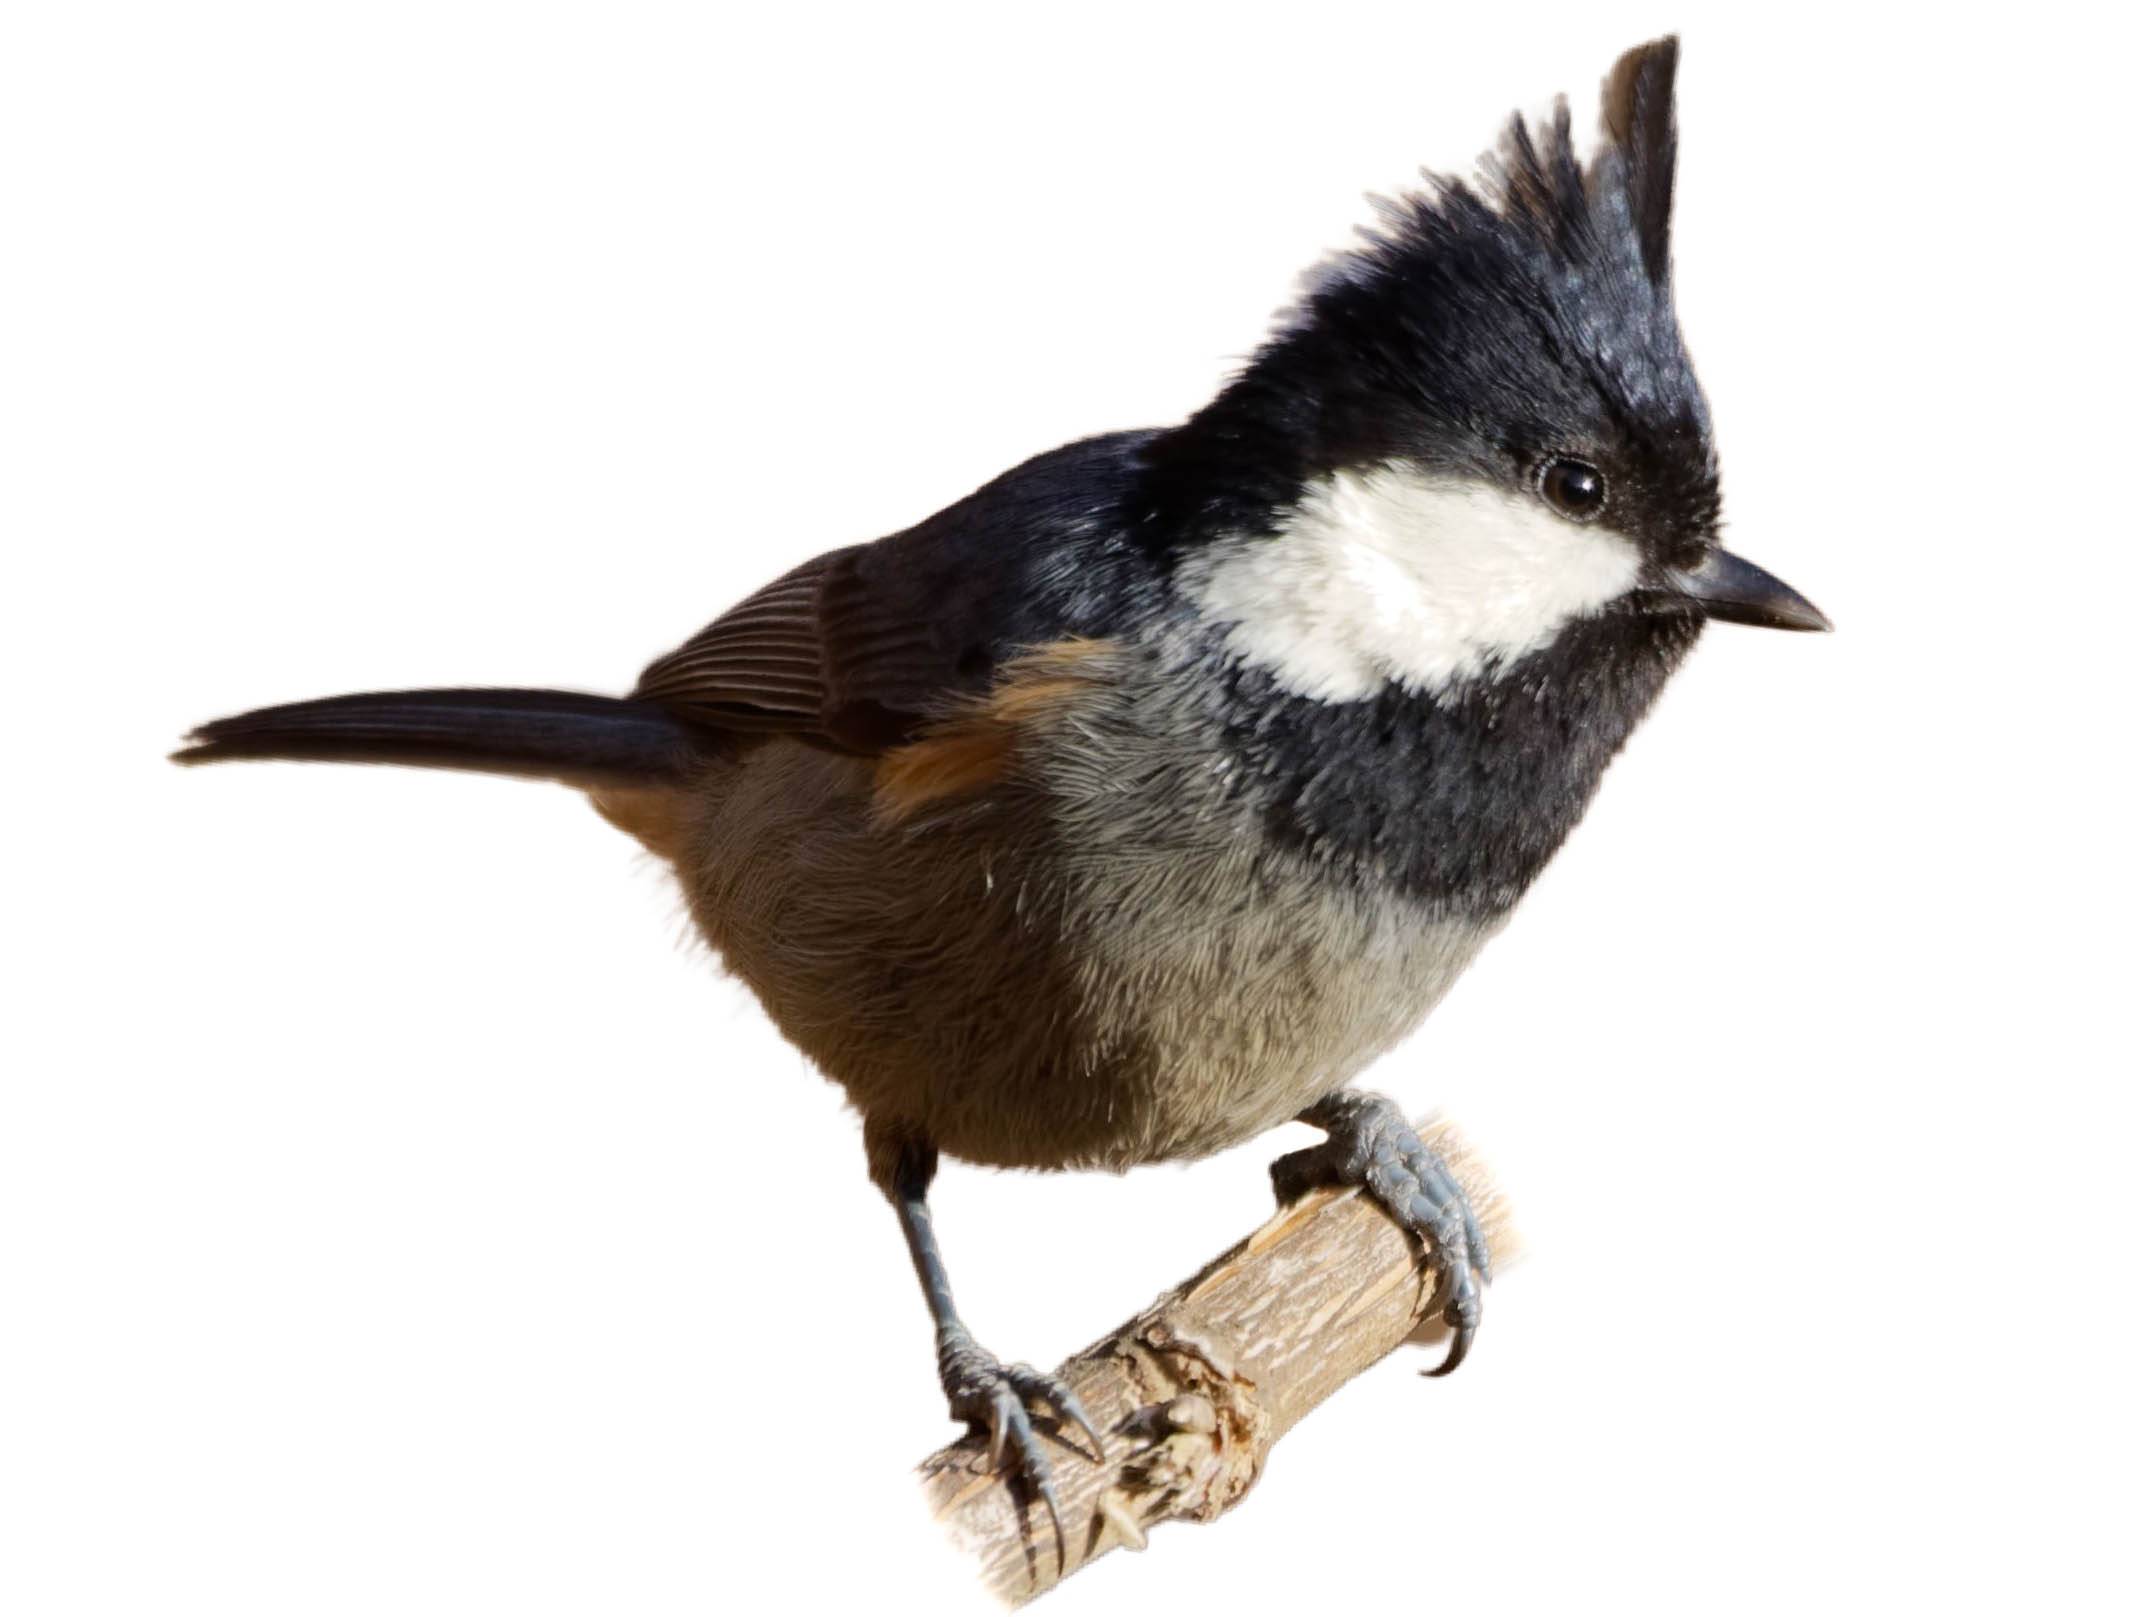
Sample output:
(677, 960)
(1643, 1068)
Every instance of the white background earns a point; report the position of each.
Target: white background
(397, 1214)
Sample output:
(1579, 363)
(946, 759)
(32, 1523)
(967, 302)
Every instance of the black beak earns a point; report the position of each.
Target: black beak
(1732, 590)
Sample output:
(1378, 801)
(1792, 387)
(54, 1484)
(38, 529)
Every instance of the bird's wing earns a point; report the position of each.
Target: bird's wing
(860, 648)
(759, 666)
(836, 651)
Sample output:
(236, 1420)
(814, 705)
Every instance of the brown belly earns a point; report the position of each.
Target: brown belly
(1026, 987)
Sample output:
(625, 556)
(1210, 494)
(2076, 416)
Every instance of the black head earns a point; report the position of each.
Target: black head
(1516, 331)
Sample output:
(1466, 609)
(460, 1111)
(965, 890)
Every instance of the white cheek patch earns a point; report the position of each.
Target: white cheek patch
(1391, 574)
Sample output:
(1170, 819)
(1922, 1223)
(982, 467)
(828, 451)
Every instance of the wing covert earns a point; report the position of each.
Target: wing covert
(854, 650)
(760, 666)
(861, 647)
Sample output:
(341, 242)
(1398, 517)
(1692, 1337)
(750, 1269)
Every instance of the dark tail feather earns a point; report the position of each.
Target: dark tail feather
(549, 735)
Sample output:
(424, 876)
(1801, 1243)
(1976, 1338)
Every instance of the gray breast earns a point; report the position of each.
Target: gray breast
(1098, 960)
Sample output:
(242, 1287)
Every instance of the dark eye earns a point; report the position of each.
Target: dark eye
(1574, 488)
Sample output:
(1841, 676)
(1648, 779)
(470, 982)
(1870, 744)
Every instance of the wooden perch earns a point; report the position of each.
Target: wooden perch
(1193, 1393)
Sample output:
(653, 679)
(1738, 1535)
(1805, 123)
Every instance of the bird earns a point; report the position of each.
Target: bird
(1132, 805)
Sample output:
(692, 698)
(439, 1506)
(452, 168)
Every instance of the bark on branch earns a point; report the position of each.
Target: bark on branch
(1193, 1393)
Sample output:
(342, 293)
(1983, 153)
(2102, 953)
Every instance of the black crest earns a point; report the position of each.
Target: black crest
(1639, 110)
(1536, 183)
(1482, 325)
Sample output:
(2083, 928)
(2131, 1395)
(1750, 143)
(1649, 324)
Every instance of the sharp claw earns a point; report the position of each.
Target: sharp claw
(1035, 1477)
(1042, 1486)
(1068, 1408)
(1464, 1315)
(997, 1398)
(1059, 1401)
(1463, 1337)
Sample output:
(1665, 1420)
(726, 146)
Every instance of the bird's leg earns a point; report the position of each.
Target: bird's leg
(1001, 1399)
(1369, 1143)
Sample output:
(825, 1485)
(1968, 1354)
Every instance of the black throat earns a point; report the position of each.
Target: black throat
(1458, 798)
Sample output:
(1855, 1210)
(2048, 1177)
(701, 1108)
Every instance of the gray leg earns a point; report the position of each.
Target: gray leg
(1368, 1143)
(990, 1395)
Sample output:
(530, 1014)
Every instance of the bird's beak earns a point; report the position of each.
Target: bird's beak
(1733, 590)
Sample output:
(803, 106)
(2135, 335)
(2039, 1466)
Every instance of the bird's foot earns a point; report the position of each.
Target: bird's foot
(1369, 1143)
(1004, 1401)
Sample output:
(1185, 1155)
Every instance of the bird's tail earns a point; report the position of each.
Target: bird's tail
(587, 741)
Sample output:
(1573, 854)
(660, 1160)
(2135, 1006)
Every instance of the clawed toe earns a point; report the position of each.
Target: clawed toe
(1005, 1401)
(1035, 1387)
(1462, 1311)
(1369, 1143)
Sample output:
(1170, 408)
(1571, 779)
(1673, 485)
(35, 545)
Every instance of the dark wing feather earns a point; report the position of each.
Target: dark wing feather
(760, 667)
(860, 647)
(839, 652)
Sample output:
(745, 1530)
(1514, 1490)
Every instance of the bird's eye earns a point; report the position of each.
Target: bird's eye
(1573, 488)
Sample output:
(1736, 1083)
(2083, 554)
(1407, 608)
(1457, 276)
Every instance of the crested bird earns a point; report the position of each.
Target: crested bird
(1133, 804)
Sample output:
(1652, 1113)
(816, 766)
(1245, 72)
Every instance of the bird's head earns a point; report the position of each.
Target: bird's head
(1476, 428)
